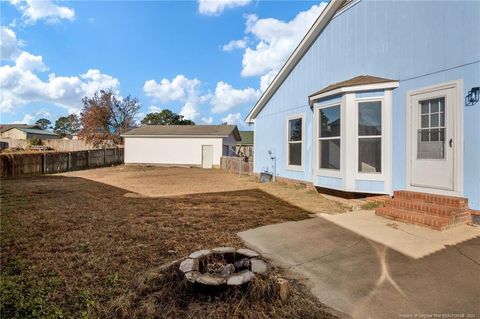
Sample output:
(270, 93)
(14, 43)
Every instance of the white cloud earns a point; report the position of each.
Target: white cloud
(207, 120)
(154, 109)
(235, 119)
(235, 44)
(29, 62)
(32, 118)
(215, 7)
(9, 45)
(266, 79)
(139, 117)
(20, 85)
(276, 40)
(226, 97)
(35, 10)
(190, 110)
(177, 89)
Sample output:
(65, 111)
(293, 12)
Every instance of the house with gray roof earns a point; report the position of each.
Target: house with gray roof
(191, 145)
(26, 132)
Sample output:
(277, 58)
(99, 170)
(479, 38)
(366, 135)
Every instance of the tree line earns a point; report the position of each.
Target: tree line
(105, 116)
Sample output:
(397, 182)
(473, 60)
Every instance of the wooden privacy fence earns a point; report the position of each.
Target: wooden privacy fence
(237, 165)
(17, 165)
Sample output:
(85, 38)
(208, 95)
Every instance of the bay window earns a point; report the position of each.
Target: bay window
(329, 137)
(370, 137)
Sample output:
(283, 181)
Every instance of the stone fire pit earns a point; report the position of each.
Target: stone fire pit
(222, 267)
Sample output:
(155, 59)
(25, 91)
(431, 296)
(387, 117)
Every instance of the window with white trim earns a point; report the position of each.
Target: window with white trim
(370, 137)
(329, 137)
(295, 141)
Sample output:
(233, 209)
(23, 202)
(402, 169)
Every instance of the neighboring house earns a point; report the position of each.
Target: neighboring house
(198, 145)
(6, 127)
(244, 147)
(379, 96)
(23, 133)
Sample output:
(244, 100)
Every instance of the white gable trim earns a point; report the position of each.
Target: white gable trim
(295, 57)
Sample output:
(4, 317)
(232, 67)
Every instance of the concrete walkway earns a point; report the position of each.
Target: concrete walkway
(410, 240)
(365, 279)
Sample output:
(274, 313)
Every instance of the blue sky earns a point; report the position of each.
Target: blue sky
(208, 60)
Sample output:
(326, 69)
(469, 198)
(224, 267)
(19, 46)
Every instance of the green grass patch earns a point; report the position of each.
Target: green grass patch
(371, 205)
(21, 297)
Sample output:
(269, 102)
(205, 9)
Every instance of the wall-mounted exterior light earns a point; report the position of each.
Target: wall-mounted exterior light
(473, 96)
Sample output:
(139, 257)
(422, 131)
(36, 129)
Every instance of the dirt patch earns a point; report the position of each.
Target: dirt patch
(156, 181)
(73, 246)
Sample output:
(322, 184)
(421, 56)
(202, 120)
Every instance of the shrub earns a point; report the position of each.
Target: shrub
(35, 141)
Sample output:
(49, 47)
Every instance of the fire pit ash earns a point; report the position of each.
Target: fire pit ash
(222, 267)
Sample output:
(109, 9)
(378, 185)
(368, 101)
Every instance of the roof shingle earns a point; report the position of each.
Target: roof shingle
(184, 130)
(358, 80)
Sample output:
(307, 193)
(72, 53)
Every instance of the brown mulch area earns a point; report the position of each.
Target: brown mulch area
(80, 248)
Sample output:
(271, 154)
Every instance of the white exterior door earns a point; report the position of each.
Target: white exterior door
(432, 139)
(207, 156)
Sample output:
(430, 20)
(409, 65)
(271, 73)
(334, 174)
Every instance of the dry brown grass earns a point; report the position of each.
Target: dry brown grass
(161, 293)
(89, 242)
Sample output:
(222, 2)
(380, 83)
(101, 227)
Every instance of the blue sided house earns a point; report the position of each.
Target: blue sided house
(381, 97)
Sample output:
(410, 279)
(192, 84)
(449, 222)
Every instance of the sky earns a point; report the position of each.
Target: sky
(207, 60)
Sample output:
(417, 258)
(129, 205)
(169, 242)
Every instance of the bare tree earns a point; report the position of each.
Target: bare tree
(105, 117)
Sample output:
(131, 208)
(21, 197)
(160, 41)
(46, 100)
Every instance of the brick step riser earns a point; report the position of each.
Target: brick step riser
(412, 218)
(460, 221)
(432, 199)
(425, 208)
(434, 222)
(449, 219)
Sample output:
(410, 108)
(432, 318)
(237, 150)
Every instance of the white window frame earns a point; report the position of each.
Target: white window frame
(326, 171)
(380, 176)
(289, 167)
(349, 142)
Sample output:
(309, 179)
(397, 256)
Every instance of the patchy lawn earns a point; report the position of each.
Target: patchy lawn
(76, 247)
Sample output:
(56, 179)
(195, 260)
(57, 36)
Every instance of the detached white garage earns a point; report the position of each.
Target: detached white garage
(199, 145)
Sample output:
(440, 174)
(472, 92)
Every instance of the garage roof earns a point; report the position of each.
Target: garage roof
(6, 127)
(184, 131)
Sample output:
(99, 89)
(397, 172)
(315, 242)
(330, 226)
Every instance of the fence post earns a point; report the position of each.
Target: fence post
(69, 162)
(44, 171)
(240, 166)
(88, 159)
(104, 157)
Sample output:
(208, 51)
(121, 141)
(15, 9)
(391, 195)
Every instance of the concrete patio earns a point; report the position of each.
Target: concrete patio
(370, 267)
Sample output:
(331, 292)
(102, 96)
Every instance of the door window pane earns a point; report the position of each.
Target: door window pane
(330, 154)
(370, 155)
(431, 144)
(330, 121)
(425, 107)
(434, 120)
(369, 118)
(424, 120)
(431, 135)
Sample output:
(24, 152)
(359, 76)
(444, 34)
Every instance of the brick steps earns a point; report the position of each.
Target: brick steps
(423, 207)
(460, 202)
(429, 210)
